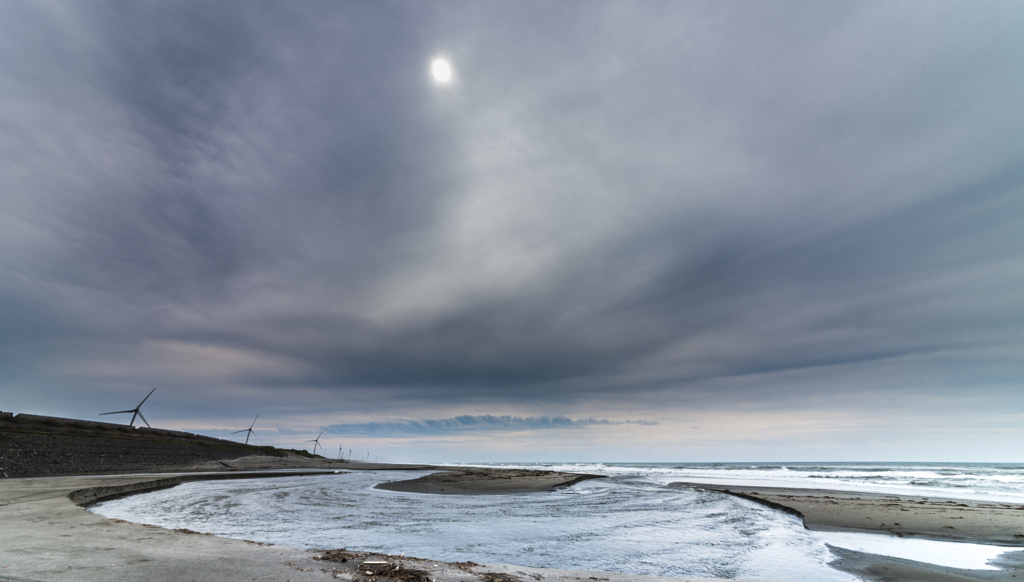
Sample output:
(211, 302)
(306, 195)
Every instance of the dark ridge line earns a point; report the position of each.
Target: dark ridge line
(576, 480)
(762, 501)
(770, 504)
(82, 424)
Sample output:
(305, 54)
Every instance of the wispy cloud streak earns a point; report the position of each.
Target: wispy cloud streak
(471, 423)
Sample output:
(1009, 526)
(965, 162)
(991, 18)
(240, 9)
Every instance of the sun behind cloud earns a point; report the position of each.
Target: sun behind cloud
(441, 71)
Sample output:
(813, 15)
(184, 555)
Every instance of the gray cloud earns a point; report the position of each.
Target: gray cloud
(645, 204)
(472, 423)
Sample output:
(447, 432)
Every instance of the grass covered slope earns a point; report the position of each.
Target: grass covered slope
(33, 446)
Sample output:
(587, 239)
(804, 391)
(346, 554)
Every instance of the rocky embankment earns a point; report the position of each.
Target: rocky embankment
(33, 446)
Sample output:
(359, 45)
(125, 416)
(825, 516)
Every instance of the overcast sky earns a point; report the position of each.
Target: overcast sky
(623, 231)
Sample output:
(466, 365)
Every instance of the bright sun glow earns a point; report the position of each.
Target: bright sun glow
(441, 70)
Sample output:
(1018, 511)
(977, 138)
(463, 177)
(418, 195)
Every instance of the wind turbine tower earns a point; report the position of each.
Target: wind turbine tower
(248, 432)
(135, 411)
(316, 441)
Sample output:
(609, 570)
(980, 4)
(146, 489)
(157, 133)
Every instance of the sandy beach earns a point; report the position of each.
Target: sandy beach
(47, 534)
(1000, 524)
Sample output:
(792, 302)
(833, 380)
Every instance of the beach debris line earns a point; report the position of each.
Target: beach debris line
(339, 555)
(376, 566)
(498, 577)
(191, 531)
(393, 572)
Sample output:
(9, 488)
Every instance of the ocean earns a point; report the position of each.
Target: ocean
(636, 521)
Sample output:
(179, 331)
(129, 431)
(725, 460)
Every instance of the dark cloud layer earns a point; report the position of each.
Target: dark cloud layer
(614, 202)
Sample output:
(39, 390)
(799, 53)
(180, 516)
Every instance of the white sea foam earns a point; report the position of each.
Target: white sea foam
(631, 522)
(980, 481)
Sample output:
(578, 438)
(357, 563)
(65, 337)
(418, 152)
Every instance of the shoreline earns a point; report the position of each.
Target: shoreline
(92, 495)
(884, 569)
(47, 534)
(934, 518)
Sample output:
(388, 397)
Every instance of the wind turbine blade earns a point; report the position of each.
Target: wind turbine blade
(238, 431)
(253, 422)
(144, 419)
(118, 412)
(147, 397)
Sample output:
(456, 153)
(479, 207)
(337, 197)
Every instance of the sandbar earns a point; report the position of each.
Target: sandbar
(481, 481)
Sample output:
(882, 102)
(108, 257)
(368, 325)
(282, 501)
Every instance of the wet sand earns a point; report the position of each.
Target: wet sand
(956, 520)
(475, 481)
(887, 569)
(44, 535)
(959, 520)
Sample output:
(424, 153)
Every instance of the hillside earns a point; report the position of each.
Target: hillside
(33, 445)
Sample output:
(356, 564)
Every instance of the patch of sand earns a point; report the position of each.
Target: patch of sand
(934, 518)
(475, 481)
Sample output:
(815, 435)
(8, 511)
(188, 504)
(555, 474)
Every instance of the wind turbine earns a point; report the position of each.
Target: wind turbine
(315, 441)
(341, 450)
(135, 411)
(248, 432)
